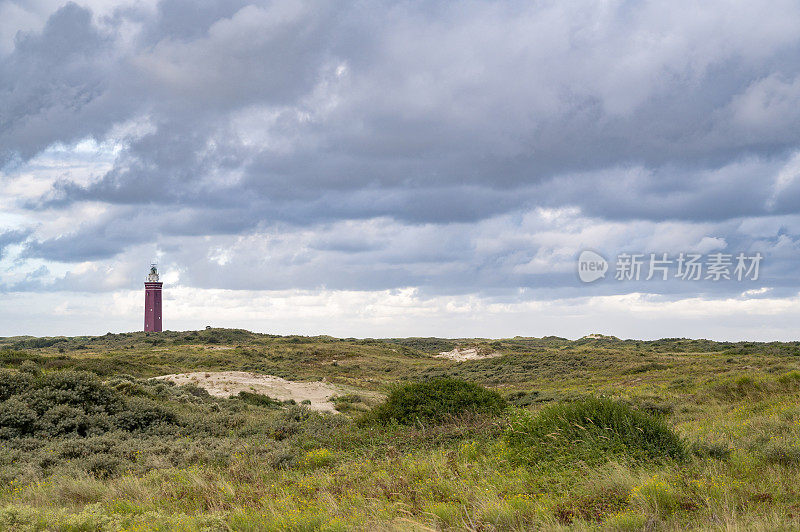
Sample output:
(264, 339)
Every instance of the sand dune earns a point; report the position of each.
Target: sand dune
(229, 383)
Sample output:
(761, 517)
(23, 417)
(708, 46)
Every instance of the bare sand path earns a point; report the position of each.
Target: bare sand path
(462, 355)
(229, 383)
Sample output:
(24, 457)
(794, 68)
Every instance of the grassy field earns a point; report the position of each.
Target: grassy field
(594, 434)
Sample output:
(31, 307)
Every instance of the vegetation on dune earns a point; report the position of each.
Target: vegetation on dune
(259, 399)
(591, 430)
(594, 434)
(435, 400)
(70, 403)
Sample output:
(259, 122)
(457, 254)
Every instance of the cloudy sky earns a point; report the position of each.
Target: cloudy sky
(398, 168)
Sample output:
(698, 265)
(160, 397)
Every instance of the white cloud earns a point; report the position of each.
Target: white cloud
(410, 168)
(393, 313)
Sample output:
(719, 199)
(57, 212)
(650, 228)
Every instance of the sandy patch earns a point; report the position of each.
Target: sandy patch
(228, 383)
(597, 336)
(462, 355)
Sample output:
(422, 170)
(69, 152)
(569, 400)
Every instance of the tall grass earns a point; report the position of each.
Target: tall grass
(591, 430)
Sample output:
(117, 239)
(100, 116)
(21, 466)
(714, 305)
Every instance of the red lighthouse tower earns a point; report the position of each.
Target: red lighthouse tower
(152, 301)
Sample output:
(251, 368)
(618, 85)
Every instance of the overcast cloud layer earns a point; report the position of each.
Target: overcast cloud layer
(397, 168)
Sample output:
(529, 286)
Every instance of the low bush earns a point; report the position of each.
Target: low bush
(258, 399)
(350, 402)
(71, 403)
(39, 342)
(591, 430)
(10, 357)
(317, 458)
(435, 400)
(13, 383)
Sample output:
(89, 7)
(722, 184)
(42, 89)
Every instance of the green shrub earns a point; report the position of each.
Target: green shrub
(15, 418)
(258, 399)
(434, 400)
(591, 430)
(349, 403)
(317, 458)
(13, 383)
(195, 391)
(37, 343)
(126, 385)
(102, 465)
(10, 357)
(141, 414)
(71, 403)
(30, 367)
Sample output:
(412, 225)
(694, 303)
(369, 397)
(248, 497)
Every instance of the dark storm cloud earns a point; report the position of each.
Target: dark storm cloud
(59, 85)
(298, 114)
(100, 237)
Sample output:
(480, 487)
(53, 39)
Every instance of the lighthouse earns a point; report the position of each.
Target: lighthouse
(152, 301)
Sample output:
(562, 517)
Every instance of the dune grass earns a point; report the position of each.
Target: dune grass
(596, 434)
(592, 431)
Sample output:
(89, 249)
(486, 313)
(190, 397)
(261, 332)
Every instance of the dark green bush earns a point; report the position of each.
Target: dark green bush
(350, 402)
(435, 400)
(13, 383)
(30, 367)
(195, 391)
(15, 418)
(71, 403)
(10, 357)
(140, 414)
(258, 399)
(79, 389)
(643, 368)
(102, 465)
(39, 342)
(591, 430)
(126, 385)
